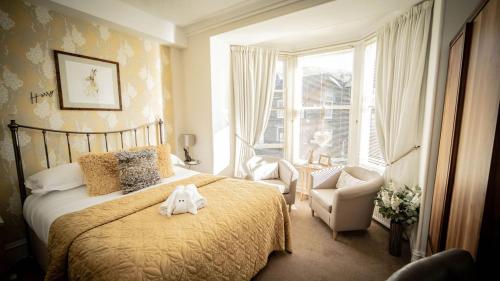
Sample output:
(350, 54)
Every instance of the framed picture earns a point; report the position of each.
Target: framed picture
(87, 83)
(324, 160)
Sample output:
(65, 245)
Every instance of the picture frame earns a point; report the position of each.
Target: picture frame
(324, 160)
(87, 83)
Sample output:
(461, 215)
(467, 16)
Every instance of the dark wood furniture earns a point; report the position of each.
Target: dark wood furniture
(3, 256)
(466, 186)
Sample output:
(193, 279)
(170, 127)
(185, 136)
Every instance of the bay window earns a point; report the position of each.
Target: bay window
(323, 112)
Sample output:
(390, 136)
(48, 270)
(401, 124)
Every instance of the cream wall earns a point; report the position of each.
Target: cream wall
(28, 36)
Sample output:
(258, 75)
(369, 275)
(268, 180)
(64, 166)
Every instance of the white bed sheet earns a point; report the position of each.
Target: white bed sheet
(41, 211)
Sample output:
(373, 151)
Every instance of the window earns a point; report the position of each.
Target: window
(272, 141)
(323, 98)
(370, 153)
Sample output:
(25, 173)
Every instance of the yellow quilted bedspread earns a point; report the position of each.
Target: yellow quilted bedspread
(128, 239)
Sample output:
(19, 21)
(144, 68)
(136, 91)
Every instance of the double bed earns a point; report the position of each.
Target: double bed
(118, 236)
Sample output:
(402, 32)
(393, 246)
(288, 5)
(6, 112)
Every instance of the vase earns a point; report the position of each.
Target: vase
(395, 237)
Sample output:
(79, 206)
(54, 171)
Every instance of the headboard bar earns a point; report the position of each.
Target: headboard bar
(45, 147)
(69, 148)
(14, 128)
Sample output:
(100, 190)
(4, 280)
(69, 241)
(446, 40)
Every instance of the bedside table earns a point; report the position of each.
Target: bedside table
(3, 260)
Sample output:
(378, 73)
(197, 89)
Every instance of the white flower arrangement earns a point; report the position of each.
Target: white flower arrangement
(400, 204)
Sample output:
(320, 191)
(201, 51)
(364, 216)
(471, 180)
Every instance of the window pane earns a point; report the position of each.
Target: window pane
(326, 79)
(278, 99)
(370, 152)
(325, 105)
(279, 75)
(272, 141)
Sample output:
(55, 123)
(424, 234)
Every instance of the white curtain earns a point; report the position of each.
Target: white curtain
(254, 76)
(402, 47)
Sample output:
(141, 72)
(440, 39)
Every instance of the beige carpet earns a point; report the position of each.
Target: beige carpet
(358, 255)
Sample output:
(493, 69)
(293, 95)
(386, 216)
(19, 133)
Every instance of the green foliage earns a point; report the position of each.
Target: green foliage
(400, 204)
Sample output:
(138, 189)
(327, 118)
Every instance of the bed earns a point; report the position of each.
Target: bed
(123, 237)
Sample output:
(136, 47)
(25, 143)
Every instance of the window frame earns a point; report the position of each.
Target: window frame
(363, 160)
(298, 110)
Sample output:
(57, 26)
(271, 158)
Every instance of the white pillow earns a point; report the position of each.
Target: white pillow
(346, 180)
(176, 160)
(62, 177)
(267, 171)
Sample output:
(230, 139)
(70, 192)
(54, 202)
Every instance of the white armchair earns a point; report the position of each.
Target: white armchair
(285, 181)
(348, 208)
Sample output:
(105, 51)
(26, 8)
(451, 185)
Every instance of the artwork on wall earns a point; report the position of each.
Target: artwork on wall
(87, 83)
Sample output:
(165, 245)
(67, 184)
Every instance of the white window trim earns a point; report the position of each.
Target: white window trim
(298, 109)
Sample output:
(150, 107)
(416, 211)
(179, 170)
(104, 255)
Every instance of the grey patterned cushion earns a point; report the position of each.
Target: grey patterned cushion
(137, 169)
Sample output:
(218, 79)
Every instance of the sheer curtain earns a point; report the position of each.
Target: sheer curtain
(253, 72)
(402, 47)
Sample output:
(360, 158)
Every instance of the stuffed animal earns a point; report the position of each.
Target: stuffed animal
(184, 199)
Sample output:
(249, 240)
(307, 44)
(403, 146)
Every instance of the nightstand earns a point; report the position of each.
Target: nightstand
(3, 260)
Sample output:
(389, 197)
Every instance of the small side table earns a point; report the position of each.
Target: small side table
(305, 182)
(191, 163)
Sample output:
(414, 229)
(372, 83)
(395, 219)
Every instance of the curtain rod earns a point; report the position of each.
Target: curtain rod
(335, 46)
(341, 45)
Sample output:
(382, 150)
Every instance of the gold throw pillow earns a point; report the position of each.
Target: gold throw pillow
(101, 173)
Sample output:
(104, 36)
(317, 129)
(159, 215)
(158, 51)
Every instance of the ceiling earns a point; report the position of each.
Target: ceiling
(187, 12)
(334, 22)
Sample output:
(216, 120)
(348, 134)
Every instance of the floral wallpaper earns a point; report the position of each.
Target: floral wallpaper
(28, 36)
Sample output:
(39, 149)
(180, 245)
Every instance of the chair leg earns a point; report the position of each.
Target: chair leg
(335, 235)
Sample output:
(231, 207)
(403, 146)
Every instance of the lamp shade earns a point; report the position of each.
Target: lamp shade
(189, 139)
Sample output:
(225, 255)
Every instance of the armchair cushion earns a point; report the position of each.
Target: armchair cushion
(266, 171)
(325, 178)
(346, 180)
(324, 197)
(278, 184)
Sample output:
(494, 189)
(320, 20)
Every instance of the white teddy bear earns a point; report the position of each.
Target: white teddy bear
(184, 199)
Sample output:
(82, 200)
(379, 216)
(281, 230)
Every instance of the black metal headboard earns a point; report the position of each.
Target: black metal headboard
(14, 129)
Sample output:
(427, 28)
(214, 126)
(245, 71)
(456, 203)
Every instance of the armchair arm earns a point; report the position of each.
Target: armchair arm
(352, 207)
(288, 173)
(353, 192)
(325, 178)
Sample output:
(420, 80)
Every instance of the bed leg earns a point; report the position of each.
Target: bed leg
(312, 212)
(335, 235)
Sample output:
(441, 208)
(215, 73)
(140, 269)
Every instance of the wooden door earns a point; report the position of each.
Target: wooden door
(448, 143)
(477, 133)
